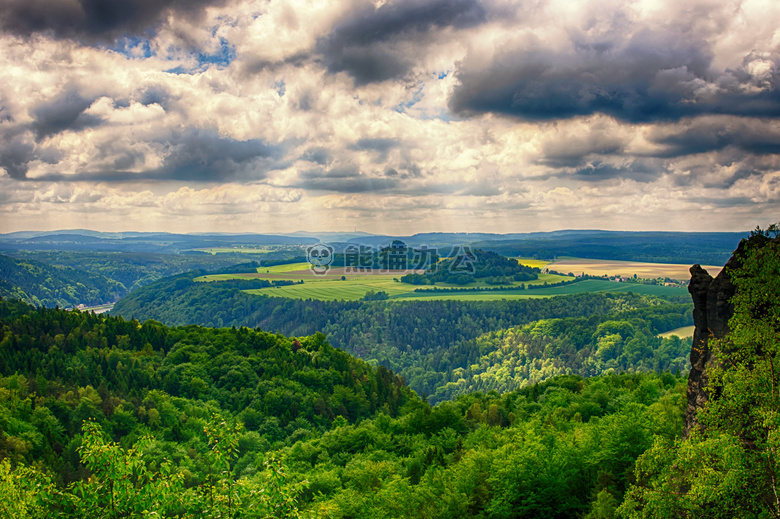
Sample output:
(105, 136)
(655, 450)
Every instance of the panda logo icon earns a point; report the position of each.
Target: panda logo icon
(320, 257)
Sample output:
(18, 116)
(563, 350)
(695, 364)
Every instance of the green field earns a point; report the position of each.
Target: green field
(356, 286)
(287, 267)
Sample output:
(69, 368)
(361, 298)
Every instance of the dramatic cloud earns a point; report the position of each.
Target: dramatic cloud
(65, 112)
(379, 43)
(389, 115)
(93, 20)
(651, 76)
(192, 155)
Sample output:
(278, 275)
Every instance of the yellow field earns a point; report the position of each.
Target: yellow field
(627, 268)
(288, 267)
(682, 333)
(530, 262)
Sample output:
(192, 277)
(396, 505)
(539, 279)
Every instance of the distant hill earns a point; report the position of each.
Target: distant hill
(131, 269)
(655, 247)
(661, 247)
(84, 240)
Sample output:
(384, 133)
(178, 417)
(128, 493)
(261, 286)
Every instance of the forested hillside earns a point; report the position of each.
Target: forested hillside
(236, 422)
(46, 285)
(126, 375)
(446, 348)
(108, 275)
(512, 358)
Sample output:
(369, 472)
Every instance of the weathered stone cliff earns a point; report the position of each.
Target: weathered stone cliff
(712, 310)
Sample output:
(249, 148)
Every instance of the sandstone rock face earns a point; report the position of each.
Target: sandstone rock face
(712, 310)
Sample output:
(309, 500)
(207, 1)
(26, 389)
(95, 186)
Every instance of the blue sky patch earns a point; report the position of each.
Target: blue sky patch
(133, 47)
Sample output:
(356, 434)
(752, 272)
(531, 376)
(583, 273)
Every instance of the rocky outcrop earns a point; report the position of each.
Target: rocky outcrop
(712, 310)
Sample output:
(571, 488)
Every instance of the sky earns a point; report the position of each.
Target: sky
(389, 116)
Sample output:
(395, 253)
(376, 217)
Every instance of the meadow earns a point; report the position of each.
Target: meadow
(339, 284)
(684, 332)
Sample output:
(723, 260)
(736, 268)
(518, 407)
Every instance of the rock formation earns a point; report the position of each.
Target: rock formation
(712, 310)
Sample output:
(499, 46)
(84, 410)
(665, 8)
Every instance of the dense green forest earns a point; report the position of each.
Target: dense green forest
(104, 417)
(446, 348)
(234, 422)
(69, 278)
(46, 285)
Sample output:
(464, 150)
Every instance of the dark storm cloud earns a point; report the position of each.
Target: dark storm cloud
(254, 65)
(63, 112)
(381, 145)
(725, 202)
(15, 154)
(365, 45)
(652, 76)
(92, 20)
(724, 170)
(192, 155)
(715, 134)
(204, 155)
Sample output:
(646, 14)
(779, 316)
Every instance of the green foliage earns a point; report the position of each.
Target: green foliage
(46, 285)
(372, 295)
(129, 419)
(120, 482)
(728, 467)
(429, 343)
(25, 492)
(627, 341)
(66, 367)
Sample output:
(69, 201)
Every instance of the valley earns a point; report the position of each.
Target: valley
(339, 392)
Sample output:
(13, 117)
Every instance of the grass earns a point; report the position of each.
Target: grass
(287, 267)
(355, 286)
(682, 333)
